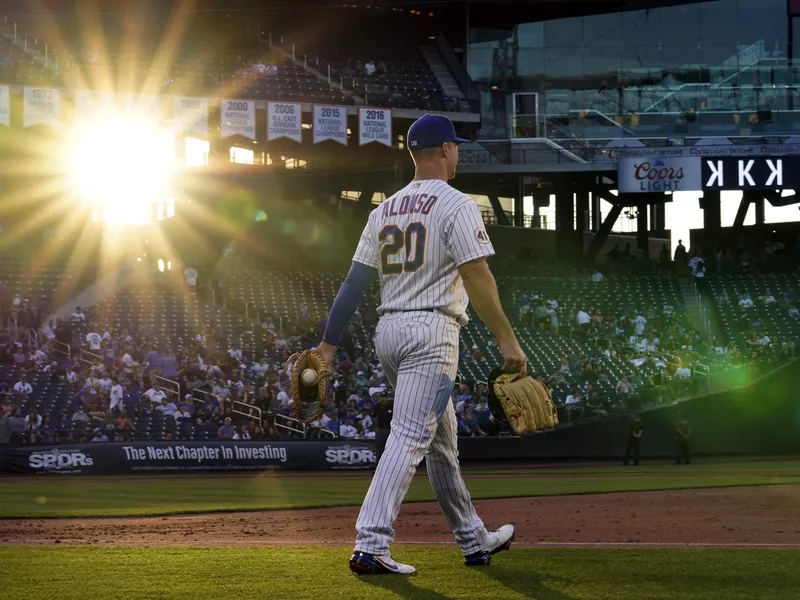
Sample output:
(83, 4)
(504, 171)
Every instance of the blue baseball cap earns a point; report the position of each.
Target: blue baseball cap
(431, 131)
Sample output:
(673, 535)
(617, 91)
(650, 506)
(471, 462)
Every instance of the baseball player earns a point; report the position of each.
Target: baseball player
(428, 246)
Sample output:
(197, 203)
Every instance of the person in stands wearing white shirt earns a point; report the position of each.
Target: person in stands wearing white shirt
(116, 394)
(78, 316)
(155, 394)
(573, 404)
(347, 430)
(584, 320)
(683, 372)
(597, 277)
(167, 408)
(95, 341)
(764, 340)
(190, 273)
(638, 324)
(745, 302)
(49, 330)
(283, 398)
(23, 387)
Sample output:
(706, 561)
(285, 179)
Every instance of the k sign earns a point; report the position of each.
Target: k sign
(756, 173)
(668, 174)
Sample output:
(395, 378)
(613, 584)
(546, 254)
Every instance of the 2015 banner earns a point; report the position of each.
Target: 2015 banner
(169, 457)
(190, 115)
(238, 117)
(330, 123)
(284, 120)
(90, 106)
(375, 125)
(5, 105)
(41, 106)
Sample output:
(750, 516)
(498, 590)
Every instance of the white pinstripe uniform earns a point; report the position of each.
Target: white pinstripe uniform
(417, 239)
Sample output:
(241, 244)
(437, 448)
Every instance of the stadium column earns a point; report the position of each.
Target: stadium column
(710, 202)
(566, 245)
(582, 209)
(759, 202)
(643, 228)
(499, 213)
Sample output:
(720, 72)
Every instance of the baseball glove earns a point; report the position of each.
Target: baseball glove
(523, 402)
(308, 401)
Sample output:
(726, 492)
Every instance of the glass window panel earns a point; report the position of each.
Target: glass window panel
(602, 30)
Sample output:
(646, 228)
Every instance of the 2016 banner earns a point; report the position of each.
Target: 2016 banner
(190, 115)
(330, 123)
(89, 106)
(169, 457)
(41, 106)
(284, 120)
(238, 118)
(375, 125)
(5, 104)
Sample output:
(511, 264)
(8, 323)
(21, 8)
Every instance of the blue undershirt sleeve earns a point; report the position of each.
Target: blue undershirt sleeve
(347, 300)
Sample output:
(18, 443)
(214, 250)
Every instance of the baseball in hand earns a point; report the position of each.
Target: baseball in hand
(308, 377)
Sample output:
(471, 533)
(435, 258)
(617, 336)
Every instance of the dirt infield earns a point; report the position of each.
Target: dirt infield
(766, 516)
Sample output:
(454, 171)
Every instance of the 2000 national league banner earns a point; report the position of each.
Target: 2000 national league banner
(330, 123)
(284, 120)
(238, 118)
(169, 457)
(41, 106)
(375, 125)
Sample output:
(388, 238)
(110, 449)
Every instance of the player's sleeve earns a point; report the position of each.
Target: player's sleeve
(465, 235)
(367, 251)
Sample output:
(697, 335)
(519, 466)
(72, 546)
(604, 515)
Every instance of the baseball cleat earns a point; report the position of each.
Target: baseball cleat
(496, 541)
(362, 563)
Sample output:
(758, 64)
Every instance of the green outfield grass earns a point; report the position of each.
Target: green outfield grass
(289, 573)
(137, 496)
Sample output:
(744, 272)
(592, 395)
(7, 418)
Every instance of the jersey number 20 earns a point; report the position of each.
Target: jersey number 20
(394, 239)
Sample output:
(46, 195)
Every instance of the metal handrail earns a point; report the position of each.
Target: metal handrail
(248, 411)
(291, 424)
(33, 338)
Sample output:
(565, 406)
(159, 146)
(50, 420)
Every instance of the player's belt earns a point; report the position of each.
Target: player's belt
(387, 312)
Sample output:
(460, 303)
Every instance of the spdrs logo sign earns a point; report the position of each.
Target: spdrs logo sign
(639, 175)
(350, 456)
(63, 460)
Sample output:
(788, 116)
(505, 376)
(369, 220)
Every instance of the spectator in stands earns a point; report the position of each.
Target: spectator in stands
(99, 436)
(33, 423)
(346, 430)
(23, 387)
(584, 321)
(242, 433)
(94, 340)
(681, 259)
(77, 317)
(468, 424)
(745, 301)
(80, 416)
(597, 276)
(167, 408)
(369, 68)
(397, 100)
(226, 430)
(155, 394)
(573, 404)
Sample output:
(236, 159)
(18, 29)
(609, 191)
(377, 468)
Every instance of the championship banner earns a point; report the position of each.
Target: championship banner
(676, 174)
(330, 123)
(169, 457)
(144, 107)
(190, 115)
(41, 105)
(4, 105)
(238, 117)
(375, 125)
(284, 120)
(91, 106)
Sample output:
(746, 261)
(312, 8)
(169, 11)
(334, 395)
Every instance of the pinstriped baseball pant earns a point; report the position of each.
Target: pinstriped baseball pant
(419, 353)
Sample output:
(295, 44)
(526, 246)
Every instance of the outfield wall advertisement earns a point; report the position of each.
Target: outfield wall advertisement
(170, 457)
